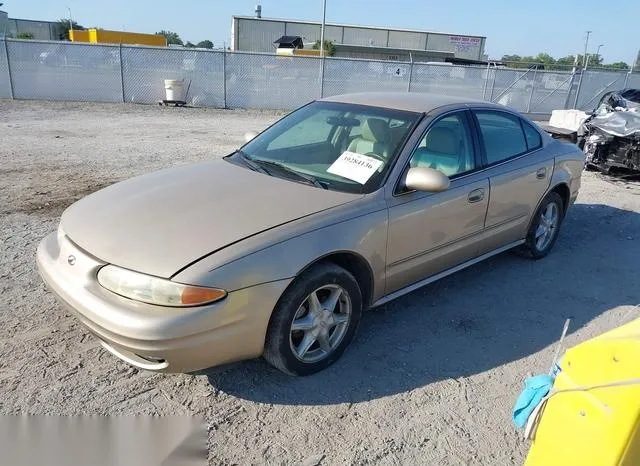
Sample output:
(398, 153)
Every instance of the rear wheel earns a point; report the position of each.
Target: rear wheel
(545, 226)
(314, 321)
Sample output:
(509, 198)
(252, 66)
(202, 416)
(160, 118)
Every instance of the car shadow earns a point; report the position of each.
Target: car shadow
(493, 313)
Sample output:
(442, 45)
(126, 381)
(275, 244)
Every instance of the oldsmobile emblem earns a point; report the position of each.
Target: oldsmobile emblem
(71, 259)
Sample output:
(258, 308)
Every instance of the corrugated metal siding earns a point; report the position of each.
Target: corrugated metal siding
(361, 36)
(407, 40)
(258, 36)
(333, 33)
(40, 30)
(308, 32)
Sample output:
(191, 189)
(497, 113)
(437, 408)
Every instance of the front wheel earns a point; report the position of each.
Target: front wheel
(545, 226)
(314, 321)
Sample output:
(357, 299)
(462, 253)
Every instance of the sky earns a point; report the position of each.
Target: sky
(556, 27)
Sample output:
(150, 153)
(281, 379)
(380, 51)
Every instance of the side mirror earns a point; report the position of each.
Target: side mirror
(249, 136)
(426, 179)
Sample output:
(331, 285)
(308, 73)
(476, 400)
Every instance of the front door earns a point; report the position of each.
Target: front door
(431, 232)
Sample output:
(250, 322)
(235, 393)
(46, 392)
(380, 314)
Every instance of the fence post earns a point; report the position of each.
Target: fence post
(6, 51)
(575, 101)
(486, 81)
(322, 76)
(571, 86)
(626, 80)
(493, 84)
(224, 78)
(533, 86)
(410, 76)
(122, 74)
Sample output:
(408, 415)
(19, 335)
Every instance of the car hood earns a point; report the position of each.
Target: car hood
(161, 222)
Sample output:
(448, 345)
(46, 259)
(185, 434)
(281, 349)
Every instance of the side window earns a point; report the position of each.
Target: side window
(446, 147)
(534, 141)
(311, 130)
(502, 135)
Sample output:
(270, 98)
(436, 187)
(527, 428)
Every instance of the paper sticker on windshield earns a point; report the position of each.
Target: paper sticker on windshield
(356, 167)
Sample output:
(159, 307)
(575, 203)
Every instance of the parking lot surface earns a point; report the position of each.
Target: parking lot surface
(431, 377)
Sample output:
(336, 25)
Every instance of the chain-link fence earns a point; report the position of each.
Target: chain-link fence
(111, 73)
(463, 81)
(271, 82)
(59, 71)
(144, 70)
(593, 84)
(5, 78)
(343, 76)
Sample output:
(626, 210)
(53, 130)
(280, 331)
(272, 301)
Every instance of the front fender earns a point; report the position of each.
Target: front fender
(364, 235)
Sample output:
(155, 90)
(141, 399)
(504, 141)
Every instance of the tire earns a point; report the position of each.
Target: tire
(534, 247)
(284, 346)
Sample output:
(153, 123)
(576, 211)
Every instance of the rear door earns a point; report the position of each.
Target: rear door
(519, 171)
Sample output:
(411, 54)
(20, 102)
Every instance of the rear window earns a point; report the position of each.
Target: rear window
(534, 141)
(502, 135)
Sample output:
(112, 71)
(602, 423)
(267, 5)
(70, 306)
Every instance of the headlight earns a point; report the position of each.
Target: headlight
(154, 290)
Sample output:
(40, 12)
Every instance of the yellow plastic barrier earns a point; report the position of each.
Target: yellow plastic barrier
(592, 414)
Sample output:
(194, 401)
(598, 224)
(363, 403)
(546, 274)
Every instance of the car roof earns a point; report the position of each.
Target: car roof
(408, 101)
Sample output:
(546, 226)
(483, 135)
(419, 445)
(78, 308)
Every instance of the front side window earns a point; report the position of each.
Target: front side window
(337, 146)
(502, 135)
(446, 147)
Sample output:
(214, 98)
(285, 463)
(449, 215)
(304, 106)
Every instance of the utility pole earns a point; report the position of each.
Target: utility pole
(324, 17)
(586, 44)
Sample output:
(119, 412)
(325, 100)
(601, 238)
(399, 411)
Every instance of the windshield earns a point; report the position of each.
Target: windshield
(336, 146)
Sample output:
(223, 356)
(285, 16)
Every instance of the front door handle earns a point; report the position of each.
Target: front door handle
(541, 174)
(476, 195)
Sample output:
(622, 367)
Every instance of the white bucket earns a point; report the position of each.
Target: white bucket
(174, 89)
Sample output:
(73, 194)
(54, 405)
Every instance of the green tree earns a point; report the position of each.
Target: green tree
(205, 44)
(620, 65)
(25, 35)
(189, 45)
(329, 48)
(64, 26)
(568, 60)
(545, 58)
(595, 60)
(172, 37)
(511, 58)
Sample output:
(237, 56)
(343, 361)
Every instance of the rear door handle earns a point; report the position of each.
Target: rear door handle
(476, 195)
(541, 174)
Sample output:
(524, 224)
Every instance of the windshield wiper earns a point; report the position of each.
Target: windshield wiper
(249, 162)
(303, 176)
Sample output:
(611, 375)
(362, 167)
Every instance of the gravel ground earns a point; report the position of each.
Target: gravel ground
(431, 378)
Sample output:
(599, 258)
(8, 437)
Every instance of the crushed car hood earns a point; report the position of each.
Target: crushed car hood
(161, 222)
(621, 123)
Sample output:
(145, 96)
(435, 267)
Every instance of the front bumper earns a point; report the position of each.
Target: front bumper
(152, 337)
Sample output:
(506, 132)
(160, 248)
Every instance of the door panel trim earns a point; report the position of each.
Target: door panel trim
(445, 273)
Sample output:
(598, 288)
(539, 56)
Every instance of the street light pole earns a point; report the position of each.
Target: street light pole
(598, 51)
(324, 17)
(586, 44)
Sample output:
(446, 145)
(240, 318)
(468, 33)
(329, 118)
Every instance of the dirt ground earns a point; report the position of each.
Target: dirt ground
(430, 379)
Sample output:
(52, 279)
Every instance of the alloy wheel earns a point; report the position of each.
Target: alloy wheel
(320, 323)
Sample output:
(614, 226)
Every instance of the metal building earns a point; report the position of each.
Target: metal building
(257, 34)
(40, 30)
